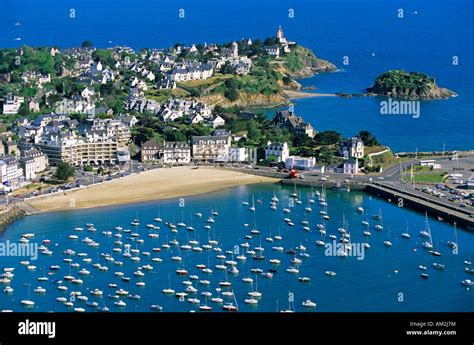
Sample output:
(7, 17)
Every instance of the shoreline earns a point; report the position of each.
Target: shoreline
(302, 94)
(157, 184)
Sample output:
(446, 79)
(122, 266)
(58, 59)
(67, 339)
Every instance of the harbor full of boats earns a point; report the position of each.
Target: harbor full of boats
(251, 248)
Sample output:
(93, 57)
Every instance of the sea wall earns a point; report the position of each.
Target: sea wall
(10, 214)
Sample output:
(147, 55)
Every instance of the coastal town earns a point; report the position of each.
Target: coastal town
(101, 111)
(175, 159)
(81, 116)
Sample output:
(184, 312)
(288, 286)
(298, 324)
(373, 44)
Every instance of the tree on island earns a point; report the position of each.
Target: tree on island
(368, 138)
(87, 44)
(64, 171)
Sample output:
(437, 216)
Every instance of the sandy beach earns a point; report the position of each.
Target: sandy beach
(301, 94)
(147, 186)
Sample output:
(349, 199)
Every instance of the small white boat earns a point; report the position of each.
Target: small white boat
(96, 292)
(27, 303)
(251, 301)
(309, 304)
(39, 290)
(330, 273)
(120, 304)
(427, 245)
(292, 270)
(424, 233)
(467, 282)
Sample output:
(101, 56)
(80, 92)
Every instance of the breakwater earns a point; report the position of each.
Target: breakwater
(10, 214)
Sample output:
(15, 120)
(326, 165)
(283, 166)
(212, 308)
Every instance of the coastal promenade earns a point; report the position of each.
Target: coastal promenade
(439, 208)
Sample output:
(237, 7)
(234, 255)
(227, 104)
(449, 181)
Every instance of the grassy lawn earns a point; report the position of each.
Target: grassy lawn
(178, 92)
(384, 160)
(419, 168)
(34, 187)
(430, 178)
(163, 95)
(373, 149)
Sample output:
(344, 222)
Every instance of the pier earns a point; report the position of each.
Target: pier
(391, 192)
(439, 208)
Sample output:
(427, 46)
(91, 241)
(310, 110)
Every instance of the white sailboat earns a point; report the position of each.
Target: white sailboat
(387, 243)
(28, 302)
(252, 208)
(426, 231)
(454, 243)
(406, 234)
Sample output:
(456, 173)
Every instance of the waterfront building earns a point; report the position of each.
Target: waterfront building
(28, 166)
(93, 148)
(277, 152)
(350, 167)
(238, 154)
(150, 151)
(39, 159)
(213, 148)
(300, 163)
(10, 171)
(176, 152)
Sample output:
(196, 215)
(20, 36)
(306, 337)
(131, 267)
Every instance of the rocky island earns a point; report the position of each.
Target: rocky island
(408, 85)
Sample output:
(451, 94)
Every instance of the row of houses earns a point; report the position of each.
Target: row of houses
(351, 149)
(194, 111)
(14, 171)
(187, 71)
(203, 149)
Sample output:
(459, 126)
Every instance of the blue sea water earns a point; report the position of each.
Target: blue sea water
(370, 284)
(375, 40)
(368, 32)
